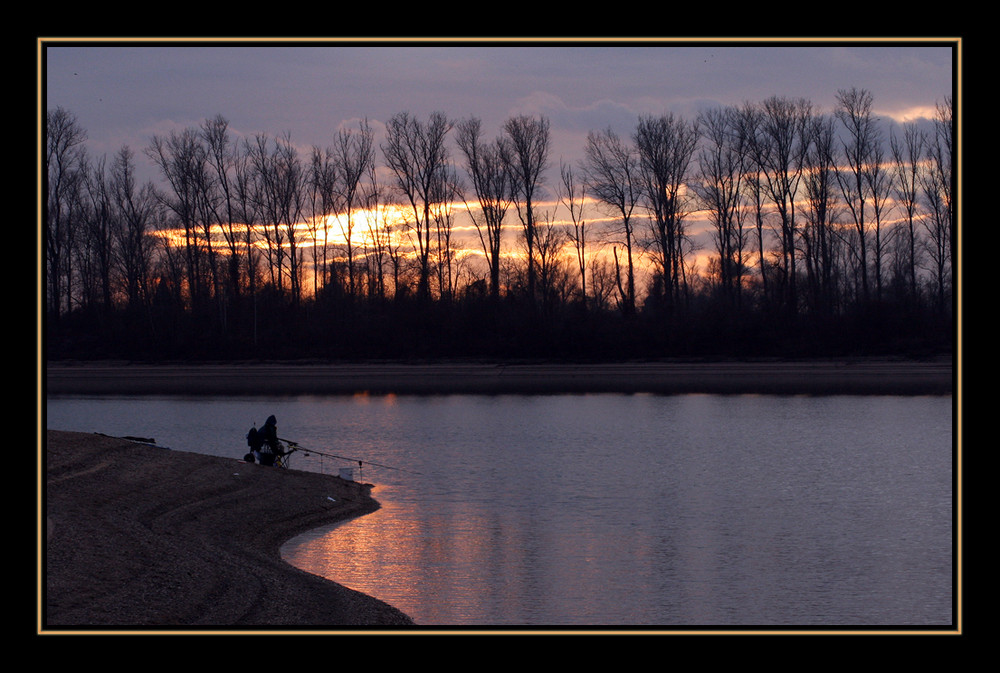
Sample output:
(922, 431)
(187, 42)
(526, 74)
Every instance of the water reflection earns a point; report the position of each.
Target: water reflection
(706, 511)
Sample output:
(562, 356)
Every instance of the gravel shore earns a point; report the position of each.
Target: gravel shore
(140, 536)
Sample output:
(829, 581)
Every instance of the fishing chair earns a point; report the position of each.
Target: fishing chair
(283, 460)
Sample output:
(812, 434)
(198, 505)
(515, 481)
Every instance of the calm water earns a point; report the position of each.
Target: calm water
(613, 510)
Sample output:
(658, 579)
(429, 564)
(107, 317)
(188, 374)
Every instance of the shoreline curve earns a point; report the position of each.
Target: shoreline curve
(137, 536)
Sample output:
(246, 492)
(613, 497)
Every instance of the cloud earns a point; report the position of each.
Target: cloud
(913, 113)
(125, 94)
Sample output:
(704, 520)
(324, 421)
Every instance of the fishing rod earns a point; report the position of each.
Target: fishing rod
(299, 447)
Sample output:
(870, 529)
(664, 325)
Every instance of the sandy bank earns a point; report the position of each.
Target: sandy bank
(137, 536)
(884, 377)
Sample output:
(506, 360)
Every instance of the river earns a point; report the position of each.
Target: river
(609, 509)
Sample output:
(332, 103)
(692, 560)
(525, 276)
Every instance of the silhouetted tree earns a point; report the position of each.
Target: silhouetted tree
(220, 159)
(750, 120)
(551, 278)
(96, 247)
(573, 196)
(181, 160)
(353, 155)
(854, 110)
(491, 182)
(526, 152)
(820, 243)
(722, 165)
(907, 153)
(878, 177)
(249, 204)
(666, 145)
(782, 144)
(938, 186)
(65, 162)
(322, 176)
(281, 183)
(612, 173)
(446, 191)
(417, 155)
(380, 234)
(138, 211)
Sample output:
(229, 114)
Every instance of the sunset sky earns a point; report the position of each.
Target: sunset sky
(125, 92)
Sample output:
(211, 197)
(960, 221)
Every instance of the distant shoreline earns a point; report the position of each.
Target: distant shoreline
(846, 376)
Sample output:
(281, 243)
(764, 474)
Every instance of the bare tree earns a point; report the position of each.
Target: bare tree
(391, 227)
(526, 152)
(907, 153)
(879, 181)
(491, 182)
(612, 172)
(137, 211)
(353, 154)
(602, 283)
(854, 110)
(264, 191)
(290, 179)
(666, 145)
(936, 241)
(95, 252)
(573, 196)
(550, 241)
(220, 159)
(938, 192)
(282, 179)
(750, 119)
(943, 163)
(446, 191)
(379, 233)
(322, 177)
(181, 160)
(249, 201)
(819, 240)
(65, 162)
(719, 188)
(416, 153)
(780, 148)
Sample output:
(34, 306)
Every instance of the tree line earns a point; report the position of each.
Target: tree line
(831, 233)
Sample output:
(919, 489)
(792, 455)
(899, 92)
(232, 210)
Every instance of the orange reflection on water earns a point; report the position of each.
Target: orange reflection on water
(436, 577)
(468, 564)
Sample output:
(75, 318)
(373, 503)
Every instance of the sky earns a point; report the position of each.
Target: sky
(125, 92)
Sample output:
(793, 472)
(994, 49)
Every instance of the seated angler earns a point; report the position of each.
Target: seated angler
(270, 446)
